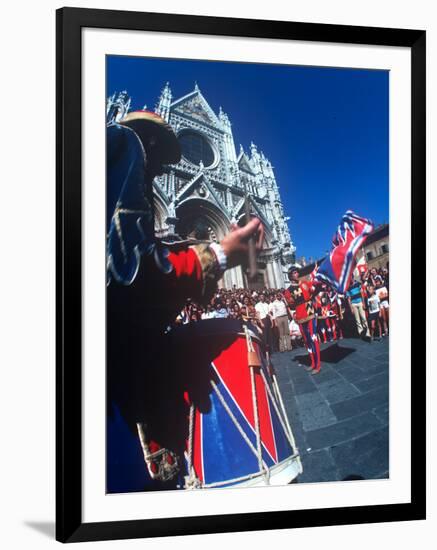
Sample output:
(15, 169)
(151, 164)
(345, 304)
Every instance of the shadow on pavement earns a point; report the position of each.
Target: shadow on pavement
(333, 354)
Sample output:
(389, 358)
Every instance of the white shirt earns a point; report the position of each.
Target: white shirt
(183, 317)
(263, 309)
(294, 328)
(278, 308)
(373, 303)
(221, 313)
(382, 293)
(208, 315)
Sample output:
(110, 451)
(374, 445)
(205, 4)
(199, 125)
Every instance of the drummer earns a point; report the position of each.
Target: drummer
(147, 286)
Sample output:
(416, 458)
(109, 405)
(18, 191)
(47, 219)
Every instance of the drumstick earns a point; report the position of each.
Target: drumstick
(252, 253)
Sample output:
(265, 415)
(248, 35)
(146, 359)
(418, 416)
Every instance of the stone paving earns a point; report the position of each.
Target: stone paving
(339, 417)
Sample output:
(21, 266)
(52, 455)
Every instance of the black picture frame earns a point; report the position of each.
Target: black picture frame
(70, 22)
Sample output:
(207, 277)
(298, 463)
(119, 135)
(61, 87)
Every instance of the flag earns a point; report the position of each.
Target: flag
(337, 269)
(313, 274)
(362, 267)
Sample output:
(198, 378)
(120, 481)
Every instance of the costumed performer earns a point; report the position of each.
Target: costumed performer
(148, 283)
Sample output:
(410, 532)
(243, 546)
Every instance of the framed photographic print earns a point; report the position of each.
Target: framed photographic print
(240, 227)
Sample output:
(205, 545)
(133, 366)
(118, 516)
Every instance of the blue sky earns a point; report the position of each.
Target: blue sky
(325, 130)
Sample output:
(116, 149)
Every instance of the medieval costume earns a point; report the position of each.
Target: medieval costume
(147, 285)
(299, 296)
(337, 308)
(324, 320)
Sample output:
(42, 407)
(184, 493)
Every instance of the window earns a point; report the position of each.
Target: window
(384, 249)
(196, 148)
(369, 256)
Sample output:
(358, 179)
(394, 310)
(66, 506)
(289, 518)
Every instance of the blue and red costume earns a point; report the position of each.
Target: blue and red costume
(322, 310)
(147, 285)
(327, 313)
(299, 296)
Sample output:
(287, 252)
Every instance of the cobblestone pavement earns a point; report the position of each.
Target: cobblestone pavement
(339, 417)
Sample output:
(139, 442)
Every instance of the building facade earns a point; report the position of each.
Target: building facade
(376, 247)
(204, 194)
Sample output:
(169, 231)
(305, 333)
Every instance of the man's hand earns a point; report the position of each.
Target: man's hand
(235, 244)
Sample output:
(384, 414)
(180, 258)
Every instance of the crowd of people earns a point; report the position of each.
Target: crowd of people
(365, 305)
(368, 299)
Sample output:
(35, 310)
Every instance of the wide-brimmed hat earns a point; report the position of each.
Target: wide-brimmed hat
(294, 268)
(146, 124)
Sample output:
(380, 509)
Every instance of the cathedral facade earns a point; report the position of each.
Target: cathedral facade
(204, 194)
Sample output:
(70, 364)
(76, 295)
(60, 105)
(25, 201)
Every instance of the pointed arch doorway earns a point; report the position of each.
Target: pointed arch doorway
(201, 219)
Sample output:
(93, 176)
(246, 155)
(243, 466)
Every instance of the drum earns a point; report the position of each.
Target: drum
(218, 419)
(239, 436)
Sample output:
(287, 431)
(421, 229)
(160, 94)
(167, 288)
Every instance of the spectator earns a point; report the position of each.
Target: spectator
(295, 335)
(372, 277)
(373, 306)
(262, 308)
(278, 309)
(184, 316)
(355, 300)
(220, 311)
(209, 313)
(386, 277)
(275, 331)
(235, 312)
(340, 309)
(382, 293)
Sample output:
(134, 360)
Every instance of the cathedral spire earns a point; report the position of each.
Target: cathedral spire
(117, 106)
(255, 157)
(164, 102)
(224, 119)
